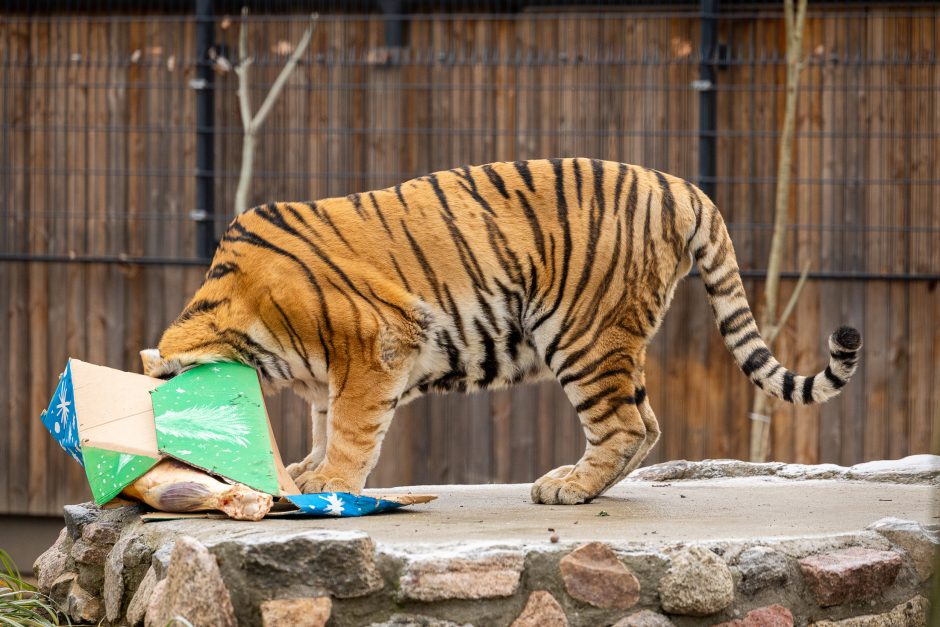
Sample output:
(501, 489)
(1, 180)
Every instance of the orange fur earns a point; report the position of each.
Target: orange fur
(474, 278)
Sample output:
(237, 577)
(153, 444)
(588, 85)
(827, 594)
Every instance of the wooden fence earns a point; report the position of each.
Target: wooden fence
(97, 160)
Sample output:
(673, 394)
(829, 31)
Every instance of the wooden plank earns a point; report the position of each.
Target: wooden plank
(12, 372)
(37, 287)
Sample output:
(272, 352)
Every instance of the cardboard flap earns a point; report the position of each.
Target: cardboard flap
(114, 409)
(213, 417)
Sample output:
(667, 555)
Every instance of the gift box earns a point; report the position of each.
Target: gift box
(103, 418)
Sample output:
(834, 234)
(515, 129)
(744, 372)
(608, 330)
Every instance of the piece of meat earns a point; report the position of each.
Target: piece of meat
(172, 486)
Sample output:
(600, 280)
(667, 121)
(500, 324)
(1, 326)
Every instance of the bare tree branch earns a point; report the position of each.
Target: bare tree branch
(252, 123)
(788, 309)
(281, 79)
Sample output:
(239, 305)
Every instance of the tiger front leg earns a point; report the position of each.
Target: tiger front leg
(361, 410)
(319, 403)
(318, 452)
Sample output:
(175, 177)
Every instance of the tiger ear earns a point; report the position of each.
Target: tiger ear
(151, 359)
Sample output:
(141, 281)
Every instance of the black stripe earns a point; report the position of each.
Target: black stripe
(837, 383)
(401, 198)
(756, 360)
(562, 209)
(496, 180)
(356, 201)
(219, 270)
(272, 214)
(747, 337)
(589, 368)
(607, 436)
(522, 167)
(200, 306)
(595, 398)
(295, 339)
(378, 212)
(472, 189)
(844, 355)
(808, 390)
(576, 166)
(618, 189)
(455, 314)
(533, 224)
(788, 385)
(615, 403)
(401, 274)
(725, 326)
(490, 364)
(324, 217)
(428, 270)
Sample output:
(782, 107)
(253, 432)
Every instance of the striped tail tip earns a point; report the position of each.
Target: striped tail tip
(844, 345)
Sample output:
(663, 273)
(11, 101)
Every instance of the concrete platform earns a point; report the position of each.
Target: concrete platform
(637, 512)
(689, 543)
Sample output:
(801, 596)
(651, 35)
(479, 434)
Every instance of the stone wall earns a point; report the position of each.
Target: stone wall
(109, 566)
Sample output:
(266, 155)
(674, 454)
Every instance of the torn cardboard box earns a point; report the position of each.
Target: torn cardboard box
(129, 430)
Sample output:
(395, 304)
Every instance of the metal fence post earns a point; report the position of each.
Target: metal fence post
(706, 88)
(204, 211)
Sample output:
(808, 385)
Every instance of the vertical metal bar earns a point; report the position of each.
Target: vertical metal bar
(707, 97)
(394, 25)
(205, 97)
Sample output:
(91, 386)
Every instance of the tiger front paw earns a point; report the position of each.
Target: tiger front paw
(313, 482)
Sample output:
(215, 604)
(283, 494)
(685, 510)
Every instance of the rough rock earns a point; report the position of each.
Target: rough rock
(125, 567)
(541, 610)
(761, 567)
(59, 590)
(416, 620)
(646, 618)
(51, 564)
(910, 470)
(193, 589)
(82, 606)
(920, 544)
(101, 532)
(138, 604)
(309, 612)
(771, 616)
(852, 574)
(698, 583)
(486, 575)
(261, 565)
(91, 578)
(913, 613)
(93, 554)
(78, 516)
(592, 573)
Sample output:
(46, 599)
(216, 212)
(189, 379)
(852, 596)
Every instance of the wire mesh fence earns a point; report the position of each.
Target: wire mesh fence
(99, 135)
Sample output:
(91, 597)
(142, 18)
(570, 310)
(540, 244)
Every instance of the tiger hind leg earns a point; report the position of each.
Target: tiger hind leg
(606, 392)
(652, 436)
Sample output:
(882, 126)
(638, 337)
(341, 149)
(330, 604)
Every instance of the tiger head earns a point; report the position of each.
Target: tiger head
(218, 326)
(194, 338)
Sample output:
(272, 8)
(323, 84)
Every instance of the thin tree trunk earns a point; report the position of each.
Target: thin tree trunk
(769, 324)
(252, 123)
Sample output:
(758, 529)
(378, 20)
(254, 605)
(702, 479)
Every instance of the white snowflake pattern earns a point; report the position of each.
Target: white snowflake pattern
(63, 406)
(180, 391)
(334, 505)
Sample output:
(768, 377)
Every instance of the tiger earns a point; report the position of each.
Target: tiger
(475, 278)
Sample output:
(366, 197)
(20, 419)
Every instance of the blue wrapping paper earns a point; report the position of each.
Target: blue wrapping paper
(341, 504)
(60, 417)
